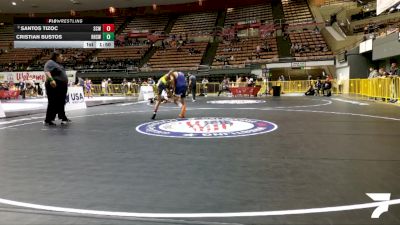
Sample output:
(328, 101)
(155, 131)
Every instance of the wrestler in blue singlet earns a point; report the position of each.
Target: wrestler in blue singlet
(180, 85)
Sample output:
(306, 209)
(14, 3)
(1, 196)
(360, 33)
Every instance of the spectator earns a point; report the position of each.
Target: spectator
(6, 86)
(393, 74)
(81, 83)
(239, 81)
(310, 91)
(382, 72)
(42, 86)
(318, 86)
(150, 81)
(373, 73)
(104, 87)
(250, 82)
(258, 52)
(327, 87)
(394, 70)
(191, 51)
(316, 30)
(109, 86)
(232, 58)
(204, 84)
(163, 45)
(267, 48)
(22, 88)
(88, 88)
(30, 87)
(224, 86)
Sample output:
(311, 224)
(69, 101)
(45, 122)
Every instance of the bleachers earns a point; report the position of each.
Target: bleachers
(118, 21)
(332, 2)
(19, 56)
(11, 55)
(171, 57)
(152, 24)
(378, 24)
(296, 11)
(261, 12)
(6, 36)
(313, 43)
(128, 52)
(235, 53)
(195, 23)
(388, 29)
(72, 56)
(134, 53)
(245, 51)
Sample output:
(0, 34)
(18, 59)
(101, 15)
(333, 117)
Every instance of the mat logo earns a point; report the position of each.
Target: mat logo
(209, 127)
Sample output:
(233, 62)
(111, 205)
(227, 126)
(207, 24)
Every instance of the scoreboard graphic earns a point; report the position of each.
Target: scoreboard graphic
(64, 33)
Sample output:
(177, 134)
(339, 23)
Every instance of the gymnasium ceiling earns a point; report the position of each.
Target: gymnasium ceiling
(48, 6)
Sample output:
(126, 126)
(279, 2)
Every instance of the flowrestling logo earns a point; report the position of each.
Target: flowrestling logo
(209, 127)
(236, 102)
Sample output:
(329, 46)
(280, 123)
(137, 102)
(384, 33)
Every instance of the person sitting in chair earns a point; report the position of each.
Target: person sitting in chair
(310, 91)
(327, 86)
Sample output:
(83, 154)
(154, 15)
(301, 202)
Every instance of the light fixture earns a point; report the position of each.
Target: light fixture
(75, 2)
(200, 2)
(111, 10)
(154, 6)
(13, 3)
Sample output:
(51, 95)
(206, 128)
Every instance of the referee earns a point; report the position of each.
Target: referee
(192, 86)
(56, 89)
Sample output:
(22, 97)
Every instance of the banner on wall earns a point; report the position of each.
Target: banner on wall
(298, 64)
(75, 99)
(2, 114)
(38, 76)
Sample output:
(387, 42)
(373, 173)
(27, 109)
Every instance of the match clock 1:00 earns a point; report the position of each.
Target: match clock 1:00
(104, 44)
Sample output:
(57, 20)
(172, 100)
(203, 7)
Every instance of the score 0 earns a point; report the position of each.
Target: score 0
(108, 28)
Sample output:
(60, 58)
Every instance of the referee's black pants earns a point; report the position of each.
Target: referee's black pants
(56, 101)
(193, 89)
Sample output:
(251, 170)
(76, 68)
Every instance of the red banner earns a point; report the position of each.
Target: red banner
(250, 91)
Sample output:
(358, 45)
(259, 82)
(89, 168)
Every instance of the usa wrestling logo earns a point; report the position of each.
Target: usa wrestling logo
(209, 127)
